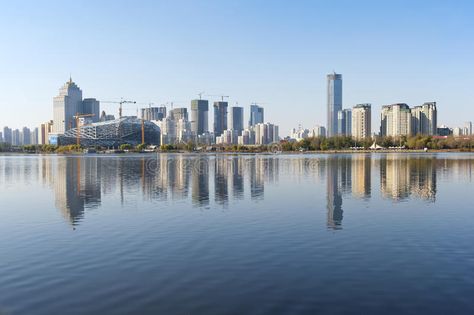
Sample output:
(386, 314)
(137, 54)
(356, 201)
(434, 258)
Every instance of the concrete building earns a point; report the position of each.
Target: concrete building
(468, 128)
(361, 121)
(220, 117)
(199, 116)
(320, 131)
(236, 119)
(43, 132)
(179, 113)
(256, 115)
(344, 122)
(334, 102)
(396, 120)
(91, 106)
(16, 137)
(153, 113)
(168, 130)
(7, 135)
(266, 133)
(25, 136)
(34, 136)
(424, 119)
(65, 105)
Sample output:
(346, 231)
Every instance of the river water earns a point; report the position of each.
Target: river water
(237, 234)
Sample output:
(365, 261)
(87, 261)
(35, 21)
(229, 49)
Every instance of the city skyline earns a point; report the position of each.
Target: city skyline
(381, 65)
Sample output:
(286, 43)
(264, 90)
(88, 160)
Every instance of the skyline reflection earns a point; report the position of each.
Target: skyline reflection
(80, 183)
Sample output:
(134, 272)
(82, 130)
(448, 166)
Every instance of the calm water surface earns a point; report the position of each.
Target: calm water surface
(237, 234)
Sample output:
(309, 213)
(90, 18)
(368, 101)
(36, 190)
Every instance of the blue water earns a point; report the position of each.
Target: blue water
(237, 234)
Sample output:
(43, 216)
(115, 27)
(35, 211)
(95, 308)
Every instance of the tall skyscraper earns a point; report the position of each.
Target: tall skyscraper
(334, 98)
(91, 106)
(424, 119)
(16, 137)
(236, 119)
(396, 120)
(220, 117)
(468, 127)
(361, 121)
(66, 105)
(34, 136)
(25, 136)
(256, 115)
(199, 116)
(344, 122)
(43, 133)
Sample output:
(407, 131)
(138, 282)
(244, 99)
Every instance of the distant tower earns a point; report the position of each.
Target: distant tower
(220, 117)
(236, 119)
(334, 98)
(256, 115)
(66, 105)
(199, 116)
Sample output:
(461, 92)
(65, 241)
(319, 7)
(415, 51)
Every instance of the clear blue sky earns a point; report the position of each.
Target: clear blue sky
(276, 52)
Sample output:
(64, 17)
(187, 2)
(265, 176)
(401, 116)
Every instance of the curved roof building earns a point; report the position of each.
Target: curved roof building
(112, 133)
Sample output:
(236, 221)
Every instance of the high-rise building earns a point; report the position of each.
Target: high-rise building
(16, 137)
(7, 135)
(424, 119)
(91, 106)
(468, 128)
(25, 136)
(43, 133)
(153, 113)
(344, 122)
(65, 106)
(266, 133)
(199, 116)
(236, 119)
(361, 121)
(220, 117)
(256, 115)
(179, 113)
(396, 120)
(334, 102)
(34, 136)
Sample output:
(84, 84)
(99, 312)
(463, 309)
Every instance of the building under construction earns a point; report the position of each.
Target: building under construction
(112, 133)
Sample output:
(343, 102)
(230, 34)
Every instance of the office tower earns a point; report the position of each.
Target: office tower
(199, 116)
(153, 113)
(220, 117)
(396, 120)
(65, 106)
(468, 128)
(168, 130)
(424, 119)
(334, 102)
(344, 122)
(25, 137)
(43, 133)
(361, 121)
(16, 137)
(256, 115)
(236, 119)
(91, 106)
(7, 135)
(179, 113)
(183, 130)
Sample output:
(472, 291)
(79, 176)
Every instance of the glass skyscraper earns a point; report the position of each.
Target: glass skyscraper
(199, 116)
(256, 115)
(334, 95)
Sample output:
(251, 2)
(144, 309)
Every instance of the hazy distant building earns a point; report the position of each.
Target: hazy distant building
(266, 133)
(468, 128)
(105, 117)
(179, 113)
(396, 120)
(220, 117)
(236, 119)
(7, 135)
(34, 136)
(25, 136)
(256, 115)
(334, 102)
(65, 106)
(361, 121)
(91, 106)
(199, 116)
(424, 119)
(318, 131)
(153, 113)
(344, 122)
(16, 137)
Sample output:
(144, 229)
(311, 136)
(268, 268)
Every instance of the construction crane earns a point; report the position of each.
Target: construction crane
(221, 96)
(78, 128)
(122, 101)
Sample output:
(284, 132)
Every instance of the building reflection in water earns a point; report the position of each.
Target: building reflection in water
(79, 183)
